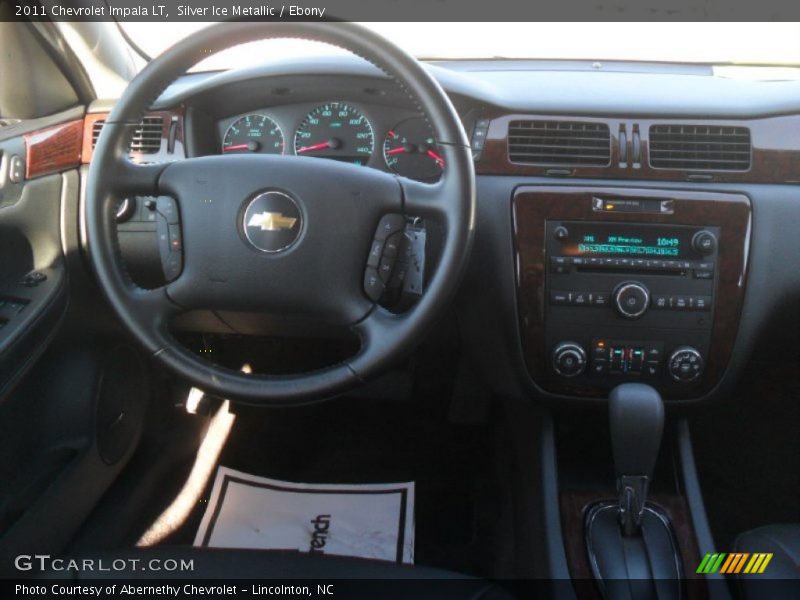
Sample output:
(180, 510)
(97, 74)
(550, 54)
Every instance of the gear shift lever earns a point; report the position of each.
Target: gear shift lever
(636, 416)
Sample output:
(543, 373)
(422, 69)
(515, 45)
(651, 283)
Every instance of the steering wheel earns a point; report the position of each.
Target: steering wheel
(309, 261)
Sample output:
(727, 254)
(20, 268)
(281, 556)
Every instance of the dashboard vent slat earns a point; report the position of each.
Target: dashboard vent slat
(700, 147)
(563, 143)
(146, 138)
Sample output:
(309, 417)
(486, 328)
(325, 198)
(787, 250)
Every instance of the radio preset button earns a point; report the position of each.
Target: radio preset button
(599, 299)
(559, 298)
(580, 298)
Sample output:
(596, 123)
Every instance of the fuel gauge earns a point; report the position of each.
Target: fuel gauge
(410, 150)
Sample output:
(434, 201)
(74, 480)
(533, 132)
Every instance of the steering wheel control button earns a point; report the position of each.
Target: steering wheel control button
(388, 225)
(569, 359)
(386, 267)
(375, 253)
(373, 284)
(685, 364)
(392, 246)
(704, 242)
(168, 208)
(272, 222)
(631, 299)
(385, 260)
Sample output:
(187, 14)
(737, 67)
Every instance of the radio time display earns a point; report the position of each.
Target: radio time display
(623, 245)
(626, 240)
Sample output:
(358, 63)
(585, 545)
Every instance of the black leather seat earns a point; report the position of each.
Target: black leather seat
(783, 541)
(232, 564)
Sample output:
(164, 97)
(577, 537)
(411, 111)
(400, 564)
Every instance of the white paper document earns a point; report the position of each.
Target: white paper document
(363, 520)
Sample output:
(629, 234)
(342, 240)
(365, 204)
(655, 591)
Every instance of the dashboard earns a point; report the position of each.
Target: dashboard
(628, 220)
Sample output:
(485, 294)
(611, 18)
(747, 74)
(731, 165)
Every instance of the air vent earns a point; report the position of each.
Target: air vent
(700, 147)
(567, 143)
(146, 139)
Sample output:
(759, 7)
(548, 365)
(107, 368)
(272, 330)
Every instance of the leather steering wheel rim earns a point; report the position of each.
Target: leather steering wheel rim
(385, 337)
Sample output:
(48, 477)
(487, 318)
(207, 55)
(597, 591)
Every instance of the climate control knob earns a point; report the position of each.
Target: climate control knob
(685, 364)
(569, 359)
(631, 299)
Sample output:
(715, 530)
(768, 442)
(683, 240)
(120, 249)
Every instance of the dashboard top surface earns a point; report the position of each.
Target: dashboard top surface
(569, 87)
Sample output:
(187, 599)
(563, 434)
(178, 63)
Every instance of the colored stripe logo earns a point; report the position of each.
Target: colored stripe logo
(735, 562)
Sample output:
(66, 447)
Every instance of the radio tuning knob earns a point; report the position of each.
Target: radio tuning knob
(569, 359)
(631, 299)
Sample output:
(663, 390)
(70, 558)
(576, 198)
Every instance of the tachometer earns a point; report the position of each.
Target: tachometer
(337, 131)
(253, 133)
(410, 150)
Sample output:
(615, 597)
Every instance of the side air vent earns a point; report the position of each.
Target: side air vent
(146, 139)
(567, 143)
(700, 147)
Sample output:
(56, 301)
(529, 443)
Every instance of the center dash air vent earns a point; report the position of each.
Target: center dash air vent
(700, 147)
(146, 138)
(568, 143)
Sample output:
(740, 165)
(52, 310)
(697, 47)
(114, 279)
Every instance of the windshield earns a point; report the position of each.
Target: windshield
(709, 43)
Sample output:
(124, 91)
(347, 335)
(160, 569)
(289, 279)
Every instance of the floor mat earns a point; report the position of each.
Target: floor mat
(373, 521)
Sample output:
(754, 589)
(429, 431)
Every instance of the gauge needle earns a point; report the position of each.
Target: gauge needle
(437, 157)
(236, 147)
(399, 150)
(320, 146)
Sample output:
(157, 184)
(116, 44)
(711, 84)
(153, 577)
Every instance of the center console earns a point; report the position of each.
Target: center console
(621, 285)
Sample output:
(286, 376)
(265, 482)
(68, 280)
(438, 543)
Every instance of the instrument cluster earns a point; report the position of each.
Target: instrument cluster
(391, 140)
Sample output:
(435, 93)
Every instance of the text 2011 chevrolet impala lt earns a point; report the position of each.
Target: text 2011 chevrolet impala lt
(461, 307)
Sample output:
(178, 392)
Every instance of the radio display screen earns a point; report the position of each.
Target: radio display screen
(627, 240)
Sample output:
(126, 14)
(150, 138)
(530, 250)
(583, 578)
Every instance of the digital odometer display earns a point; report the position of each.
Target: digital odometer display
(624, 240)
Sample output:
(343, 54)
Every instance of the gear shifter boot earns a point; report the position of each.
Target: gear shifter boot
(633, 567)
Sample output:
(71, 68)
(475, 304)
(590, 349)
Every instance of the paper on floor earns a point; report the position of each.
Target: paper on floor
(364, 520)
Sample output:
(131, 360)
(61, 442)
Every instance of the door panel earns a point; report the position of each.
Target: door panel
(33, 281)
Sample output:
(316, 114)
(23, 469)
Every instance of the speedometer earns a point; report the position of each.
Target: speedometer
(253, 133)
(335, 130)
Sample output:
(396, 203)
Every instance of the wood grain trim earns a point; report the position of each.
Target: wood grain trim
(533, 205)
(162, 155)
(775, 157)
(56, 148)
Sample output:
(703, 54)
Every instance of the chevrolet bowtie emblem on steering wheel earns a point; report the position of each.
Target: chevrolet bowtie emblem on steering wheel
(272, 221)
